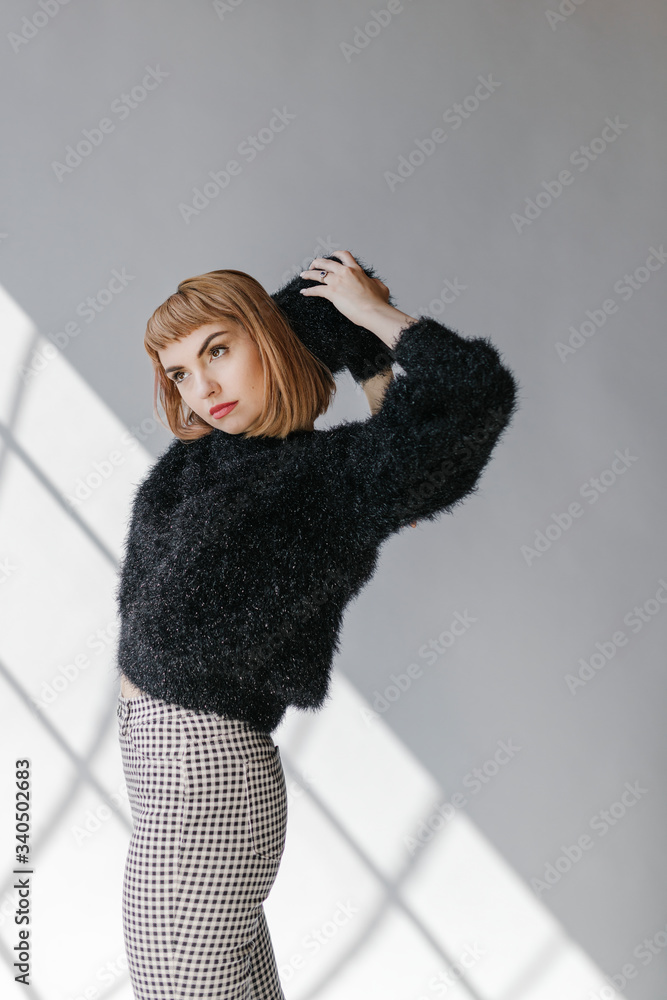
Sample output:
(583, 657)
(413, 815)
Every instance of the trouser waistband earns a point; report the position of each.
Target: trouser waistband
(147, 710)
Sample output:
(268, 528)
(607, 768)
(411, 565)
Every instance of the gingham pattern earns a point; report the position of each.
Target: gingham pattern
(209, 808)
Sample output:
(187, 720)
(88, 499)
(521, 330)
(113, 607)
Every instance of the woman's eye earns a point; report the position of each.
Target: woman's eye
(218, 347)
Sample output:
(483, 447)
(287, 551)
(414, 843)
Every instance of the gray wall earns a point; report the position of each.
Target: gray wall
(324, 178)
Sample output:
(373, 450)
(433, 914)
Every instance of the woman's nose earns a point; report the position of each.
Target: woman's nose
(206, 386)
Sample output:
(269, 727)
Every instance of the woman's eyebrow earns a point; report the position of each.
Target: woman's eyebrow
(227, 333)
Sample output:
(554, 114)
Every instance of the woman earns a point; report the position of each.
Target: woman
(248, 539)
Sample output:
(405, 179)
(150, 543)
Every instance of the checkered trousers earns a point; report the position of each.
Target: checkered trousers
(209, 810)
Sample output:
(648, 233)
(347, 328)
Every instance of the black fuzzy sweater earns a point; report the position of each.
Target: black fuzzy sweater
(242, 554)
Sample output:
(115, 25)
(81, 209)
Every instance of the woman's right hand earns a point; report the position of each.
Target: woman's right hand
(347, 286)
(383, 289)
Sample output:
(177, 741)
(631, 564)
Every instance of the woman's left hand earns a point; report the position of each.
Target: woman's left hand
(347, 286)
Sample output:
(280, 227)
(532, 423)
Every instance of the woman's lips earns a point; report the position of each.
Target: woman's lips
(222, 410)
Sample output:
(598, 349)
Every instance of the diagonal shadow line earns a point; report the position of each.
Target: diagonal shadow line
(390, 893)
(540, 962)
(85, 774)
(11, 442)
(82, 775)
(68, 796)
(20, 390)
(52, 823)
(55, 494)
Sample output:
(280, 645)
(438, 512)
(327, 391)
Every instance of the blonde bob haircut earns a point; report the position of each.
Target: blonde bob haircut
(298, 387)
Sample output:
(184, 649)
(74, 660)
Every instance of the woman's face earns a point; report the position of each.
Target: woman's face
(218, 363)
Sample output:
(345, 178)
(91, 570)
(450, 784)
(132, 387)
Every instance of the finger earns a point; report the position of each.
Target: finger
(324, 263)
(315, 273)
(322, 290)
(346, 255)
(314, 288)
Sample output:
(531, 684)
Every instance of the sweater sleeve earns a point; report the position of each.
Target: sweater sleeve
(329, 335)
(424, 451)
